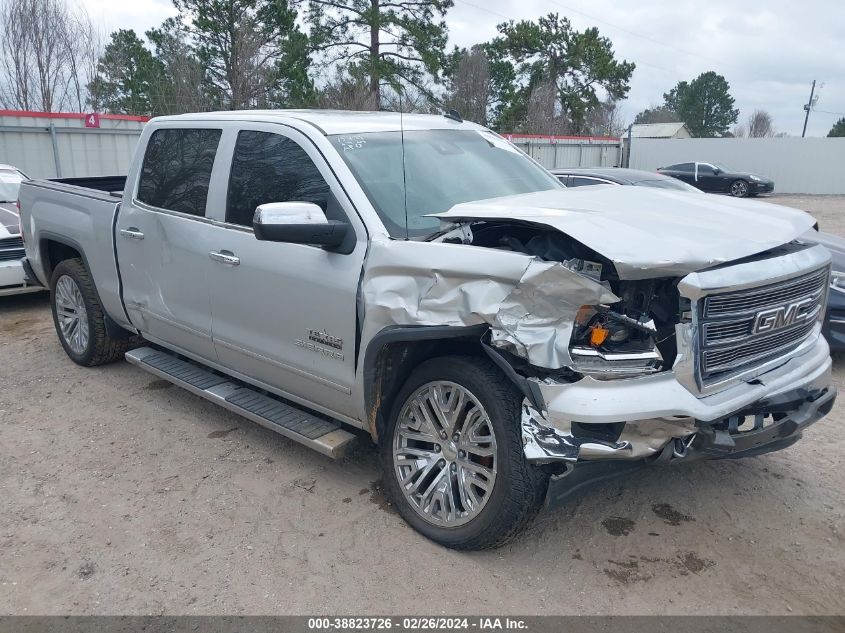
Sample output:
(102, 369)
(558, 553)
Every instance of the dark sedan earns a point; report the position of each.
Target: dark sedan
(715, 178)
(583, 177)
(834, 322)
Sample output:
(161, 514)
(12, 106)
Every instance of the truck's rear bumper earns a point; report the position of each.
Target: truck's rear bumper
(14, 280)
(643, 417)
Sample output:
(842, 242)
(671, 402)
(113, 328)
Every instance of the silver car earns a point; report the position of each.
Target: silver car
(13, 279)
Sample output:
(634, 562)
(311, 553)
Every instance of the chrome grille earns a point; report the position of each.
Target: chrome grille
(729, 343)
(11, 248)
(749, 301)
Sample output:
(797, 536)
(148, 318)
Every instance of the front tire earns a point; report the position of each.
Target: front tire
(739, 189)
(452, 456)
(80, 319)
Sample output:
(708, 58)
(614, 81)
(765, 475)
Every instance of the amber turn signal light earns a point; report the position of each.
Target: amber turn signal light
(598, 335)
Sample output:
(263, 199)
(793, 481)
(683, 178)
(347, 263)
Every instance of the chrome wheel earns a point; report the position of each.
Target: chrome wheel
(739, 189)
(71, 314)
(444, 454)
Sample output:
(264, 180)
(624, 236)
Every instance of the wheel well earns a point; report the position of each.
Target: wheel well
(54, 252)
(392, 356)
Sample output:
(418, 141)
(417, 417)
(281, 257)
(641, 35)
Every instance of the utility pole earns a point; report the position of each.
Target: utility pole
(807, 107)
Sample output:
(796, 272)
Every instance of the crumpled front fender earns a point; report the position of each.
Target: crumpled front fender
(529, 304)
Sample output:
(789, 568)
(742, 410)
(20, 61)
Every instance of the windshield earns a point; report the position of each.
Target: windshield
(668, 183)
(442, 168)
(10, 183)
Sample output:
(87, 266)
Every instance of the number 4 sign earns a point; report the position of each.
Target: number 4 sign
(92, 120)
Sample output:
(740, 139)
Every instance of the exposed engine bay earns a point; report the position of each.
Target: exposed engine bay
(633, 336)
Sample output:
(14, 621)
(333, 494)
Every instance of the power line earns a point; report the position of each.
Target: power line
(485, 9)
(649, 38)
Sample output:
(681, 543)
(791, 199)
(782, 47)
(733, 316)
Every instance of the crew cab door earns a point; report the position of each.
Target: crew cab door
(163, 238)
(285, 314)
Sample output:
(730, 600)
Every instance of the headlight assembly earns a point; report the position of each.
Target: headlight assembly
(837, 281)
(607, 344)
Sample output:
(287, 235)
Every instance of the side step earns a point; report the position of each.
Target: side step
(270, 412)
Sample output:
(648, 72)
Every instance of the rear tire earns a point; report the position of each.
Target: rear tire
(476, 444)
(739, 189)
(80, 319)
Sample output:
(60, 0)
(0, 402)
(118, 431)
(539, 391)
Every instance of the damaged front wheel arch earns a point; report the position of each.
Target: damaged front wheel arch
(394, 352)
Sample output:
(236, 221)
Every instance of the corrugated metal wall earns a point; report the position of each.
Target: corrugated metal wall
(797, 165)
(565, 151)
(27, 142)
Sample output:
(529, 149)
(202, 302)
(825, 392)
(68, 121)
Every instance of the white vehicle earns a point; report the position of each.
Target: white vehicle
(502, 338)
(13, 279)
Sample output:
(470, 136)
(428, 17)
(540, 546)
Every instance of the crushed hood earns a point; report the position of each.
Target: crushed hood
(649, 232)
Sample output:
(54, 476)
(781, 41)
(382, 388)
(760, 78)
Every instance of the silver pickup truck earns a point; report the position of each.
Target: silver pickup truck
(503, 340)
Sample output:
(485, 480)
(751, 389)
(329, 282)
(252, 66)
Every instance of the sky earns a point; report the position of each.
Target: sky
(770, 51)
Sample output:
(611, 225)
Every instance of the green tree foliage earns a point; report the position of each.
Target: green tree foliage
(388, 41)
(838, 128)
(657, 114)
(253, 52)
(704, 104)
(549, 53)
(129, 78)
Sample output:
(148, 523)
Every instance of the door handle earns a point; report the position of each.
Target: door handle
(225, 257)
(132, 233)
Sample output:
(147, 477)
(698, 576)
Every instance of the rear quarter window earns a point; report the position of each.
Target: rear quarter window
(177, 169)
(681, 167)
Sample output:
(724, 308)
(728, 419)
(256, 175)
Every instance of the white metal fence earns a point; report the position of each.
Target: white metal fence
(569, 151)
(797, 165)
(58, 145)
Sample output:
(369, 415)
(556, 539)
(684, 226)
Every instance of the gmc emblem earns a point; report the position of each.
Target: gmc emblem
(777, 318)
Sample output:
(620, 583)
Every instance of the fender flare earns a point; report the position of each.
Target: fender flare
(112, 328)
(373, 381)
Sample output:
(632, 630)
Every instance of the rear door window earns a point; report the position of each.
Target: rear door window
(177, 169)
(268, 167)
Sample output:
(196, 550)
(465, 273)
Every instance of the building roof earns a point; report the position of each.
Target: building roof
(339, 121)
(657, 130)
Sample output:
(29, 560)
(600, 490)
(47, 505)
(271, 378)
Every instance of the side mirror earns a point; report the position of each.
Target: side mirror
(716, 171)
(297, 223)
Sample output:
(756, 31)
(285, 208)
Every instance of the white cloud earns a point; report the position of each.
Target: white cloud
(768, 50)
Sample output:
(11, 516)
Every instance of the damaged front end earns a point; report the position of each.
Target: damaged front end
(612, 365)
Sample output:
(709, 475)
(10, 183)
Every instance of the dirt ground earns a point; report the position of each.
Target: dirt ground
(120, 494)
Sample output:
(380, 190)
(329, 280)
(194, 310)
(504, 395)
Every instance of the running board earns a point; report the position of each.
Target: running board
(270, 412)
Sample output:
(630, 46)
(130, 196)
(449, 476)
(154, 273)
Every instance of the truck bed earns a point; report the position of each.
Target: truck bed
(79, 213)
(112, 185)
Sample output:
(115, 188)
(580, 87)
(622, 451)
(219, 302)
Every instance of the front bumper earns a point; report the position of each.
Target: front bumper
(790, 414)
(14, 280)
(761, 187)
(638, 418)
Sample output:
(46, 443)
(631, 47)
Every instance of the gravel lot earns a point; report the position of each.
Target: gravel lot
(122, 494)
